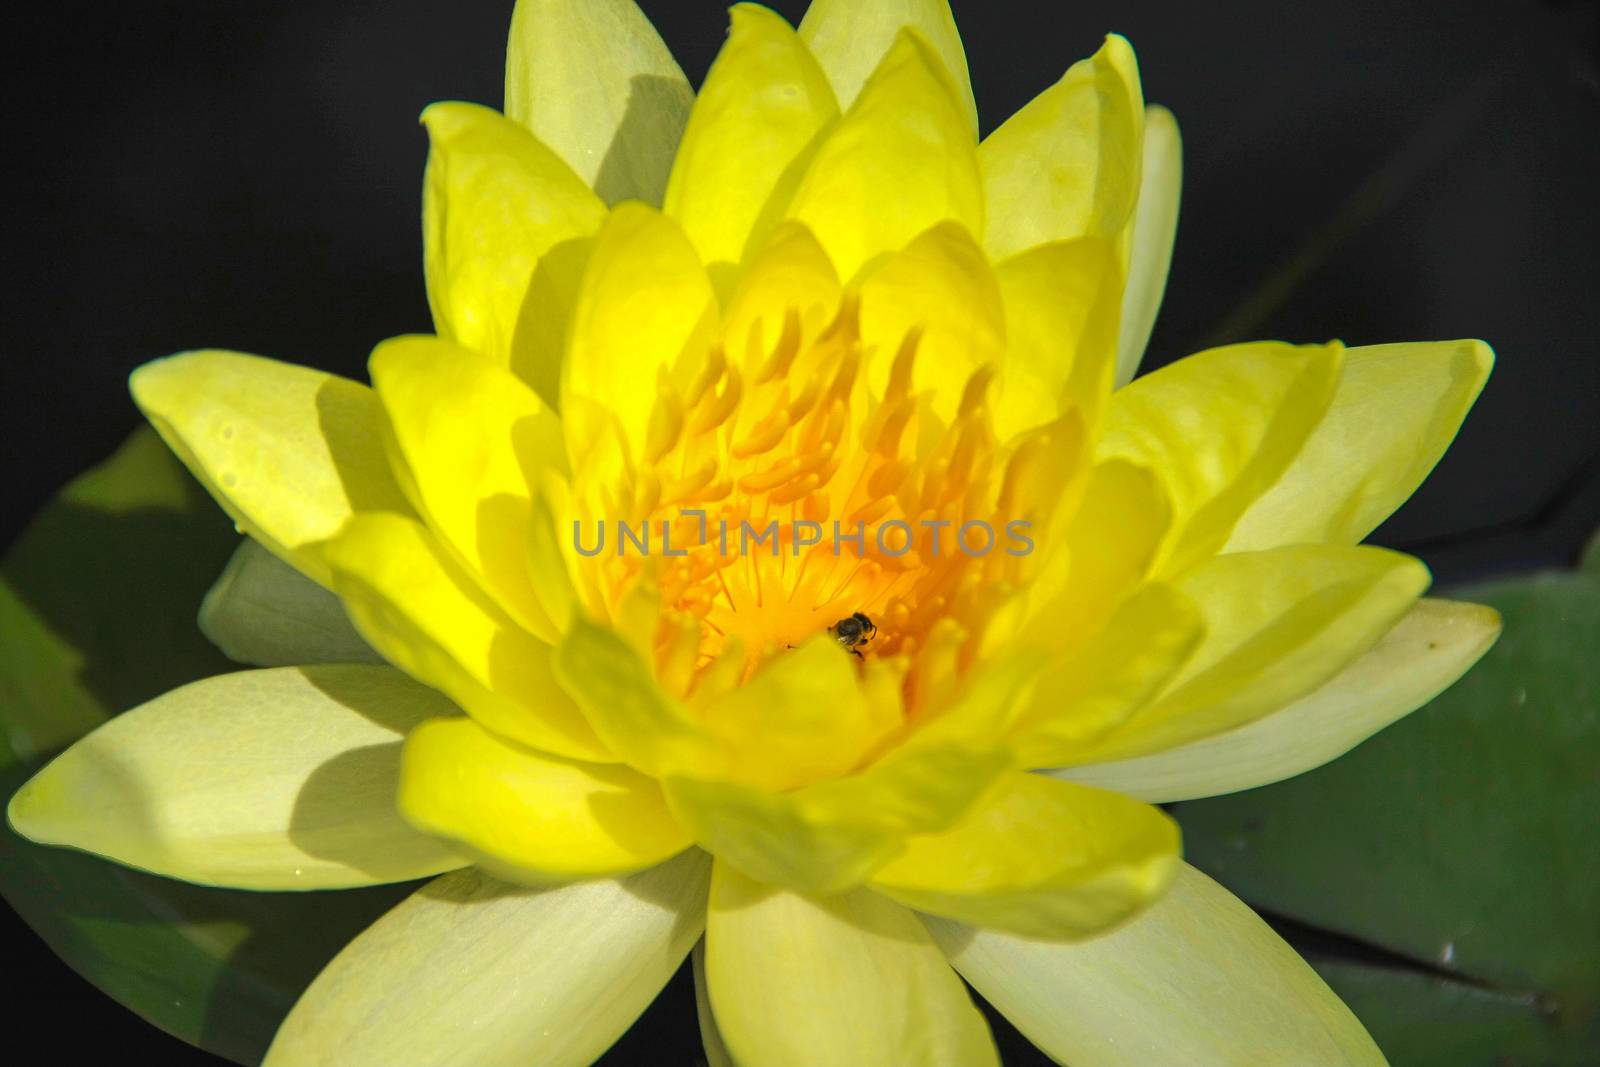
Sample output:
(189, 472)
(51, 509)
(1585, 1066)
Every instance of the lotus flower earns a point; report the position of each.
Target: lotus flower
(983, 603)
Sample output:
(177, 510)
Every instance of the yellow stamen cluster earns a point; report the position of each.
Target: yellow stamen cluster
(777, 495)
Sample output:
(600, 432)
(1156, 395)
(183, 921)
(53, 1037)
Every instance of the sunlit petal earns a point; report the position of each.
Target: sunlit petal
(269, 780)
(470, 970)
(799, 981)
(1198, 979)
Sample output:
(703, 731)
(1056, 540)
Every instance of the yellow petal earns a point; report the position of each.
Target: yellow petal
(848, 38)
(971, 709)
(645, 299)
(290, 453)
(842, 981)
(1061, 321)
(901, 160)
(782, 837)
(1432, 646)
(494, 201)
(1155, 227)
(539, 345)
(1098, 686)
(471, 438)
(805, 717)
(593, 80)
(551, 554)
(1109, 548)
(532, 819)
(762, 104)
(941, 285)
(1278, 624)
(1220, 427)
(263, 612)
(469, 970)
(266, 780)
(1197, 980)
(628, 709)
(789, 271)
(416, 607)
(1067, 164)
(1088, 859)
(832, 835)
(1395, 410)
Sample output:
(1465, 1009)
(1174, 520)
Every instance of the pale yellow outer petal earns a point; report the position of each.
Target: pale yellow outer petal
(531, 818)
(716, 1049)
(848, 37)
(593, 80)
(840, 981)
(1394, 412)
(289, 452)
(1197, 980)
(1219, 428)
(1278, 624)
(471, 972)
(1155, 228)
(265, 780)
(263, 612)
(415, 606)
(901, 160)
(762, 104)
(1039, 861)
(494, 201)
(473, 439)
(1067, 164)
(644, 301)
(1432, 646)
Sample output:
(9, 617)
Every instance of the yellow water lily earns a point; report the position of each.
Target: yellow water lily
(771, 558)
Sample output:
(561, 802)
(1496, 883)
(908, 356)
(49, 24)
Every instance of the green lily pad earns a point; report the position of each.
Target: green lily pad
(1422, 1018)
(97, 602)
(1463, 838)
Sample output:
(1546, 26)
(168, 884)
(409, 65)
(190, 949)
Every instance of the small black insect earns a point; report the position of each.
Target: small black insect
(853, 632)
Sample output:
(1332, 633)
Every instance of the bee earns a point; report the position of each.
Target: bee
(853, 632)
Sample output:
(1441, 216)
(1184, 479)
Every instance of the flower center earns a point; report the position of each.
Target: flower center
(780, 496)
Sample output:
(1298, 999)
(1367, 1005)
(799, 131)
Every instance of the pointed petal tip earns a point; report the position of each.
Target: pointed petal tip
(851, 40)
(914, 39)
(1482, 355)
(1161, 115)
(749, 13)
(22, 812)
(166, 380)
(1486, 622)
(150, 382)
(1120, 51)
(436, 113)
(1414, 576)
(42, 810)
(443, 118)
(400, 351)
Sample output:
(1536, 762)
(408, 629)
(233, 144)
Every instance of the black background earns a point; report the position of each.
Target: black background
(193, 173)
